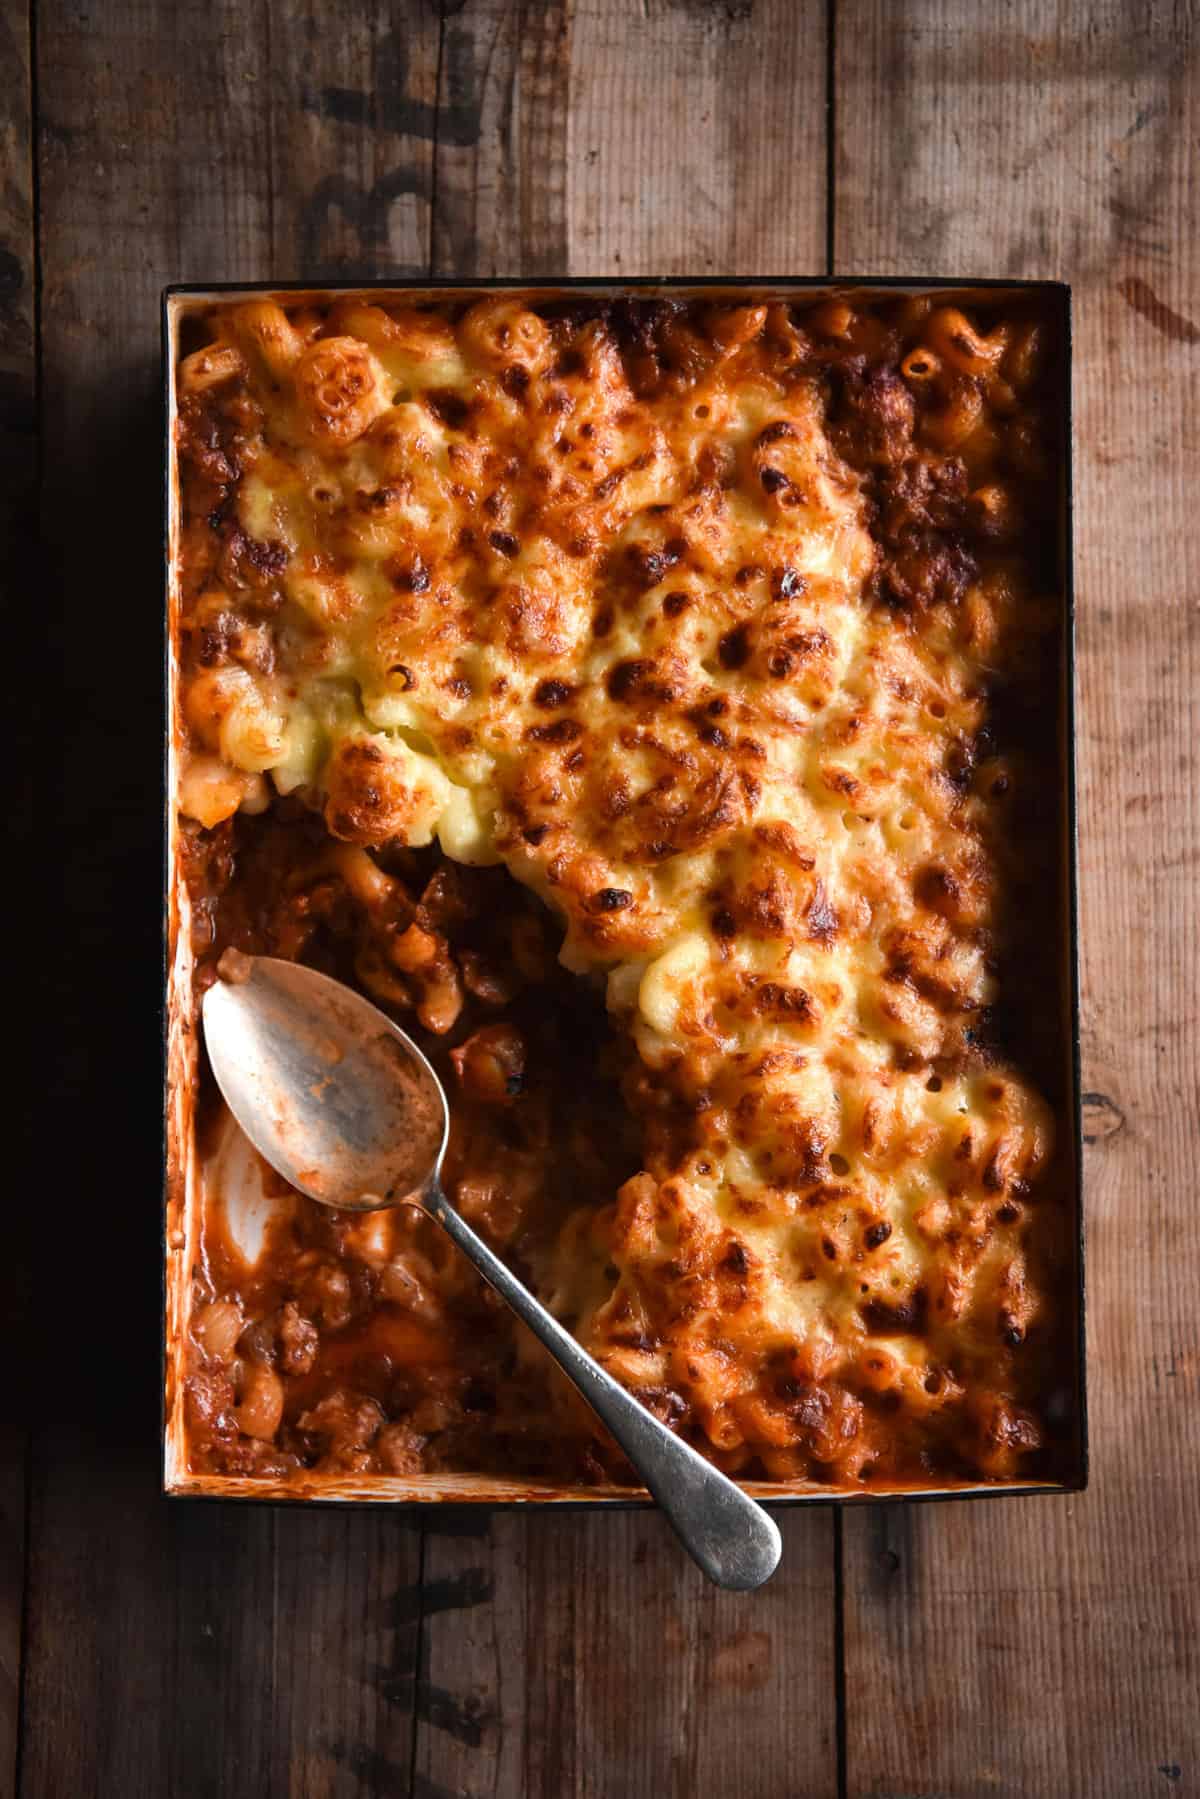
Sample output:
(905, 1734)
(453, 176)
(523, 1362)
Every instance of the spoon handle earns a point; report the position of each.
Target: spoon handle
(725, 1532)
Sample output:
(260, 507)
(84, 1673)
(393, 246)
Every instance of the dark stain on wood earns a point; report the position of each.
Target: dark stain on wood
(718, 12)
(389, 106)
(893, 1561)
(1142, 297)
(501, 193)
(382, 1774)
(12, 282)
(455, 1521)
(466, 1718)
(454, 1593)
(367, 212)
(744, 1662)
(1102, 1118)
(424, 1788)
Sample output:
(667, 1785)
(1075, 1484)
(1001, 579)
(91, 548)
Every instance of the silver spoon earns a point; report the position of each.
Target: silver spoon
(346, 1107)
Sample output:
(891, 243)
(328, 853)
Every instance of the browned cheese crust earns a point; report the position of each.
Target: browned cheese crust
(730, 632)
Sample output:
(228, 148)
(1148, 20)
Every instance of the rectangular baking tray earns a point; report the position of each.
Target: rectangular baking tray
(182, 1194)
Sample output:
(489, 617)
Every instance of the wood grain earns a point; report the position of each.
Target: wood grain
(1015, 1648)
(583, 1655)
(206, 1651)
(305, 1687)
(175, 1649)
(351, 99)
(18, 378)
(17, 276)
(500, 167)
(1045, 1647)
(697, 137)
(587, 1656)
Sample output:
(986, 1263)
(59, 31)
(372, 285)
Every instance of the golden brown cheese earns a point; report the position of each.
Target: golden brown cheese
(688, 616)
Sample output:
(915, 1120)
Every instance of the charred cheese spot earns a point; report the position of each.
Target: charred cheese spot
(379, 791)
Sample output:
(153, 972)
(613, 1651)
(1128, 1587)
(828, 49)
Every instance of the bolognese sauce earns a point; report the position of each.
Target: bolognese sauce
(646, 703)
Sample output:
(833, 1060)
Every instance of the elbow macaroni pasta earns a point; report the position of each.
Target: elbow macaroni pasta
(690, 616)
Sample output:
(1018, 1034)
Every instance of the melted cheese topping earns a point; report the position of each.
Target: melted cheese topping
(608, 600)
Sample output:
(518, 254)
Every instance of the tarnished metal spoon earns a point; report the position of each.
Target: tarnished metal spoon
(346, 1107)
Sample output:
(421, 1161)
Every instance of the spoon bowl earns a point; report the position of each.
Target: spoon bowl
(335, 1096)
(343, 1104)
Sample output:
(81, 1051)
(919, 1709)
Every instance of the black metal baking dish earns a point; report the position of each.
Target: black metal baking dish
(182, 1200)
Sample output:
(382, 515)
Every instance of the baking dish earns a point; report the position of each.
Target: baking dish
(184, 1188)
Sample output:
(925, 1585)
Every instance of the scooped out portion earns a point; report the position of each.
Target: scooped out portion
(645, 702)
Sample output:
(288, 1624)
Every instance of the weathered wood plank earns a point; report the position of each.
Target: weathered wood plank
(18, 378)
(17, 276)
(1045, 1646)
(175, 1649)
(13, 1451)
(586, 1656)
(582, 1654)
(501, 159)
(201, 1651)
(294, 1644)
(611, 137)
(697, 137)
(352, 105)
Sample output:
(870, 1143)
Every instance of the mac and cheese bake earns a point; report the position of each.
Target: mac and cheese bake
(650, 703)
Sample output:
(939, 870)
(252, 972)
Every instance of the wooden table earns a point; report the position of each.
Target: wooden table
(1030, 1647)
